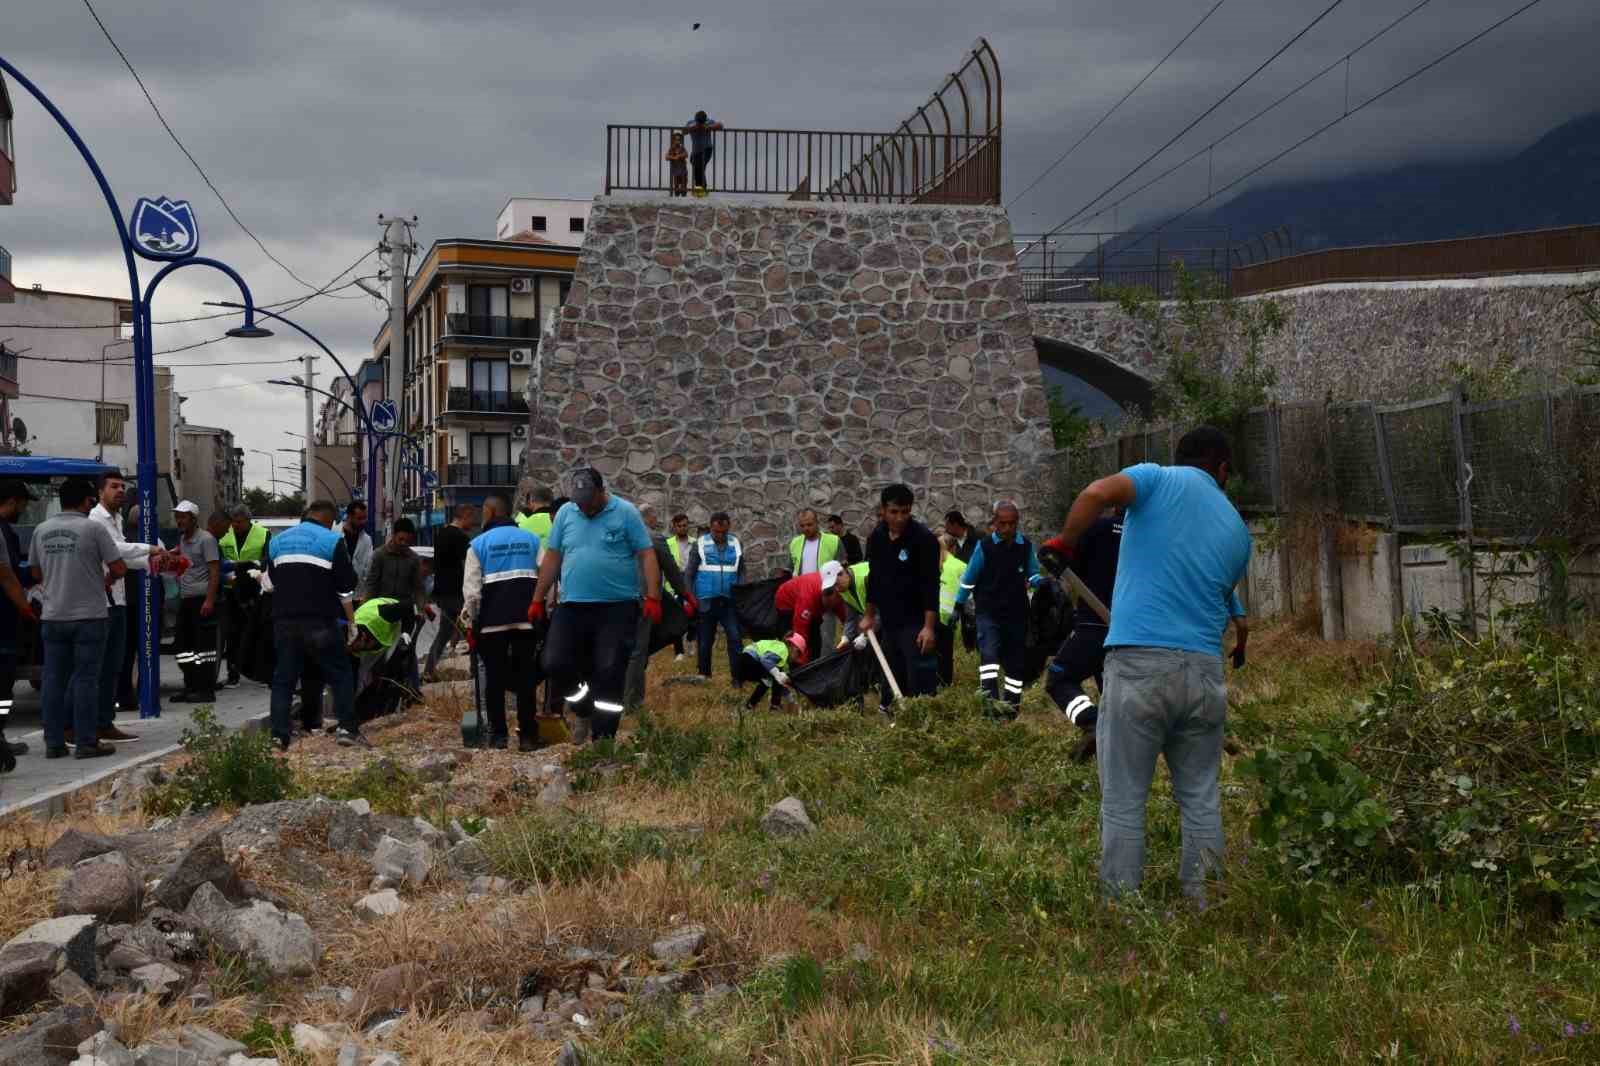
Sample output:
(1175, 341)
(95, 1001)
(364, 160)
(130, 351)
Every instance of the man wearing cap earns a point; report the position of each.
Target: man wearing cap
(14, 608)
(197, 648)
(598, 543)
(803, 601)
(314, 586)
(716, 564)
(107, 514)
(72, 557)
(673, 585)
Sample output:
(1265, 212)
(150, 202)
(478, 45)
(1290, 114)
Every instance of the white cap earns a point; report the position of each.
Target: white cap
(187, 507)
(830, 572)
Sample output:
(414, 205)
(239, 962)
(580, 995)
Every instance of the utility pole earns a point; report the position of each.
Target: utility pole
(311, 433)
(397, 244)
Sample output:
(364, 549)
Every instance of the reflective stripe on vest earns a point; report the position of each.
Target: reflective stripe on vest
(255, 544)
(719, 567)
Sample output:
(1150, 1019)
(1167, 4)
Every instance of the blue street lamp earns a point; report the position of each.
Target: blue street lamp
(163, 230)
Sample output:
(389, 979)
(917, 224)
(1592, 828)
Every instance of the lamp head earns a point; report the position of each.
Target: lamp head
(249, 330)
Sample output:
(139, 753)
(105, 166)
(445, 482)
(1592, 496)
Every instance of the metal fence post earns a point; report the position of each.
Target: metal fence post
(1469, 580)
(1385, 471)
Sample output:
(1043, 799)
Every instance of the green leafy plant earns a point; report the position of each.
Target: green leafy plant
(1318, 814)
(225, 769)
(263, 1038)
(384, 783)
(1069, 426)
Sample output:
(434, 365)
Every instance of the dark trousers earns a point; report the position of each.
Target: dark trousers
(510, 664)
(9, 653)
(303, 640)
(449, 607)
(716, 611)
(234, 615)
(586, 658)
(197, 648)
(111, 663)
(916, 671)
(945, 651)
(1002, 656)
(1080, 657)
(127, 695)
(700, 160)
(749, 668)
(71, 690)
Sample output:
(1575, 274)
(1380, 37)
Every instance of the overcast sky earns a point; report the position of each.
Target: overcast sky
(312, 117)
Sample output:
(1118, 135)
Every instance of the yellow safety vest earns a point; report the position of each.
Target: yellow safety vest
(827, 551)
(369, 618)
(537, 523)
(856, 594)
(255, 545)
(949, 585)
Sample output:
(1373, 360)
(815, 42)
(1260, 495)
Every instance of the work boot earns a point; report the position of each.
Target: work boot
(113, 733)
(96, 750)
(500, 743)
(527, 743)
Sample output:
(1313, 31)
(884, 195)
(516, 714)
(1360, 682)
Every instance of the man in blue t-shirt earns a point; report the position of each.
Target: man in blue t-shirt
(598, 548)
(1184, 548)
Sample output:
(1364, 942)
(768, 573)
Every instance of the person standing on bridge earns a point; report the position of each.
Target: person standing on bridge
(72, 558)
(702, 146)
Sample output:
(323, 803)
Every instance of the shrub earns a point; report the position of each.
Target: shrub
(1318, 814)
(224, 770)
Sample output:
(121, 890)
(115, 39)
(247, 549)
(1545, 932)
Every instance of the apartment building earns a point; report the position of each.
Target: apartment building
(211, 468)
(559, 221)
(473, 315)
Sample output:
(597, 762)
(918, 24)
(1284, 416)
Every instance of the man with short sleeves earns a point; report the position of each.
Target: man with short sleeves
(598, 543)
(314, 588)
(73, 558)
(1184, 548)
(197, 648)
(902, 601)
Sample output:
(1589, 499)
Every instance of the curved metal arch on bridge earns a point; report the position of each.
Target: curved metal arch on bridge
(1118, 381)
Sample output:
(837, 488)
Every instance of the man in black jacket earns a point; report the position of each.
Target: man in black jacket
(848, 541)
(903, 595)
(1002, 568)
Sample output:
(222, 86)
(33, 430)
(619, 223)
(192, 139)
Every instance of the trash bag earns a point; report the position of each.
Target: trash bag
(673, 625)
(257, 652)
(388, 683)
(755, 602)
(838, 678)
(1049, 623)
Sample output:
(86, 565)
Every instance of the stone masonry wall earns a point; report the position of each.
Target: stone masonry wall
(761, 359)
(1384, 341)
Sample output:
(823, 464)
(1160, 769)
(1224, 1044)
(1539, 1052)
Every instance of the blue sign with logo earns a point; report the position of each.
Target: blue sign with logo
(164, 228)
(384, 416)
(430, 480)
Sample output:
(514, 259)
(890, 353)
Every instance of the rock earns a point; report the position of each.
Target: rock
(385, 1027)
(51, 1040)
(349, 1055)
(73, 846)
(682, 943)
(127, 956)
(402, 862)
(208, 1044)
(201, 997)
(128, 789)
(280, 941)
(662, 985)
(485, 885)
(104, 886)
(26, 974)
(203, 863)
(310, 1039)
(73, 934)
(166, 936)
(396, 988)
(158, 978)
(241, 1059)
(557, 789)
(385, 1058)
(103, 1049)
(570, 1055)
(208, 905)
(162, 1055)
(436, 767)
(360, 806)
(467, 859)
(336, 825)
(383, 904)
(68, 987)
(787, 818)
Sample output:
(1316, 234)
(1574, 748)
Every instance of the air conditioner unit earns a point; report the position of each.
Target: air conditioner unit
(521, 356)
(519, 432)
(522, 285)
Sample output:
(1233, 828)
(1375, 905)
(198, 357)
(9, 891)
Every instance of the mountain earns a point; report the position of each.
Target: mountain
(1553, 182)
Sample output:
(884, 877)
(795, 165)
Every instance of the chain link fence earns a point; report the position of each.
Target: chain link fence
(1522, 468)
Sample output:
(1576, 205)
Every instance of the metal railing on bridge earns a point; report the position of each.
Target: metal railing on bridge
(1079, 267)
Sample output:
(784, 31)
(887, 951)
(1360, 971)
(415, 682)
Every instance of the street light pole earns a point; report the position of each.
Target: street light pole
(311, 440)
(272, 460)
(397, 243)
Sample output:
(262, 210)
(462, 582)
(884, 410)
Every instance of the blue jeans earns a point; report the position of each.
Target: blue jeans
(72, 656)
(1002, 656)
(1160, 702)
(111, 664)
(319, 641)
(715, 611)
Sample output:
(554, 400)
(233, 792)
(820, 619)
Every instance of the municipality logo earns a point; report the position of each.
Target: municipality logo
(165, 229)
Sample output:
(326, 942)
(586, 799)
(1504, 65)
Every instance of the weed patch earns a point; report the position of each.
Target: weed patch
(539, 848)
(225, 769)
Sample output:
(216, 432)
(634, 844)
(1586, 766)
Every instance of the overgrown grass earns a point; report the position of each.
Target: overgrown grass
(384, 783)
(224, 769)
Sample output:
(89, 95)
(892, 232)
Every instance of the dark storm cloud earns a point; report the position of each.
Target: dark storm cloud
(313, 117)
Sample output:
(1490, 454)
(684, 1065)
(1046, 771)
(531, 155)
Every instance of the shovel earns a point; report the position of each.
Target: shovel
(472, 722)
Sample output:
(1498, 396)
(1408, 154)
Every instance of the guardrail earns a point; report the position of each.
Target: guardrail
(493, 326)
(489, 474)
(484, 401)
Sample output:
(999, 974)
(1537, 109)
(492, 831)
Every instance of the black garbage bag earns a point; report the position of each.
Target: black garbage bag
(755, 602)
(1049, 623)
(838, 678)
(673, 625)
(257, 652)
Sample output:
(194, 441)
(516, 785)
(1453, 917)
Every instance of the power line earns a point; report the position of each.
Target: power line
(1137, 86)
(1285, 98)
(189, 155)
(1290, 43)
(1319, 131)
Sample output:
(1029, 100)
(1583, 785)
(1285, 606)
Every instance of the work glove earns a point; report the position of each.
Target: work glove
(690, 606)
(536, 612)
(860, 642)
(26, 612)
(430, 613)
(472, 638)
(779, 676)
(1238, 657)
(652, 609)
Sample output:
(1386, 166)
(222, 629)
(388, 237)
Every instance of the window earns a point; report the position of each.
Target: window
(110, 423)
(489, 376)
(489, 451)
(538, 225)
(575, 225)
(566, 287)
(488, 300)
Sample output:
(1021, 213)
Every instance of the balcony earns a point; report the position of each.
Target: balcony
(8, 373)
(491, 475)
(7, 290)
(485, 402)
(504, 326)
